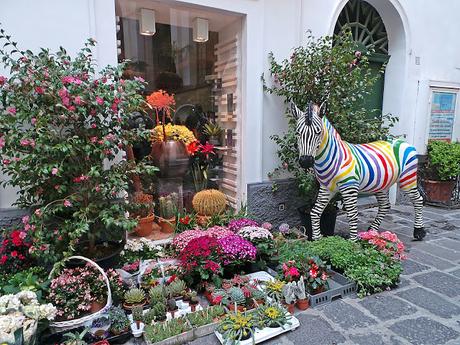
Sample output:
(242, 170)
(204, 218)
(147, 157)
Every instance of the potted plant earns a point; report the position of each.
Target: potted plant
(214, 132)
(237, 327)
(134, 297)
(291, 271)
(258, 297)
(273, 316)
(64, 119)
(289, 296)
(168, 212)
(441, 170)
(316, 275)
(141, 209)
(138, 315)
(119, 322)
(176, 288)
(172, 306)
(208, 203)
(203, 158)
(76, 338)
(99, 326)
(237, 299)
(263, 240)
(302, 299)
(274, 289)
(169, 151)
(194, 301)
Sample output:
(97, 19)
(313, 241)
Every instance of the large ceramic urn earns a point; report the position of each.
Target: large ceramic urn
(171, 157)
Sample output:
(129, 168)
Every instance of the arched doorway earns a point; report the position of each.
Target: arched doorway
(368, 30)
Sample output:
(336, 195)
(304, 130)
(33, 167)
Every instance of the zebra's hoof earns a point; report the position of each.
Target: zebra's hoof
(419, 234)
(315, 238)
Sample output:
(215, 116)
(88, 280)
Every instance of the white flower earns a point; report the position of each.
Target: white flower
(27, 297)
(255, 232)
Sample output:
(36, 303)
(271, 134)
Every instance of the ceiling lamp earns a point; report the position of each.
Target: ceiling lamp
(147, 22)
(200, 30)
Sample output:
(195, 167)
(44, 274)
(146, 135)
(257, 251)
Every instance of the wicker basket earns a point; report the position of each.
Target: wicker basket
(70, 324)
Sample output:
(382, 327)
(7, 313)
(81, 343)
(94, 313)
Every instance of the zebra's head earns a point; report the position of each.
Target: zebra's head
(309, 133)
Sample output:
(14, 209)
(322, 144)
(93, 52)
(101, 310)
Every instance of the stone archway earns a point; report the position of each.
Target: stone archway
(396, 72)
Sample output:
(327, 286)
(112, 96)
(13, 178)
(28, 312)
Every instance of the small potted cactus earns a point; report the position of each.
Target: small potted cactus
(258, 297)
(207, 203)
(176, 289)
(289, 296)
(138, 315)
(119, 320)
(193, 301)
(237, 300)
(168, 212)
(302, 299)
(133, 298)
(172, 306)
(141, 208)
(159, 311)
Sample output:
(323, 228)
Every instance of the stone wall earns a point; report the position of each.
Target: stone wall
(11, 216)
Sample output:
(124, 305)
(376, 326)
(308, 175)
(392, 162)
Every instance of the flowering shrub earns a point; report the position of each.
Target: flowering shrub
(237, 250)
(181, 240)
(22, 310)
(316, 275)
(262, 239)
(74, 290)
(218, 232)
(255, 233)
(14, 249)
(172, 132)
(116, 284)
(140, 249)
(63, 119)
(200, 260)
(237, 224)
(290, 271)
(386, 242)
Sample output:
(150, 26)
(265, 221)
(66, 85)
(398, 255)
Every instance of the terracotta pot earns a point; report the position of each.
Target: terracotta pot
(290, 307)
(193, 307)
(438, 191)
(167, 225)
(303, 304)
(239, 308)
(171, 157)
(131, 306)
(96, 306)
(145, 226)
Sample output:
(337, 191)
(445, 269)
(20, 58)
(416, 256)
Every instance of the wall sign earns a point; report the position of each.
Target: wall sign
(442, 115)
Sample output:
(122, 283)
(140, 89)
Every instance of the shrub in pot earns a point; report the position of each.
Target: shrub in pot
(441, 170)
(141, 208)
(68, 122)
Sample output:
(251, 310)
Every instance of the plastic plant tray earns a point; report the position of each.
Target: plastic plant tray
(339, 287)
(265, 334)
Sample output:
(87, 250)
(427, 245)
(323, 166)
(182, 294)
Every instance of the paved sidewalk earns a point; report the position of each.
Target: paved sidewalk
(424, 309)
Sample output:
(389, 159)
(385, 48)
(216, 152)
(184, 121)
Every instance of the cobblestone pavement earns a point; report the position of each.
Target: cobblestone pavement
(424, 309)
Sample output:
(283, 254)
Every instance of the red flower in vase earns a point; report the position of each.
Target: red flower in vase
(193, 147)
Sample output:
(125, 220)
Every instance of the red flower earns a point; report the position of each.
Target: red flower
(3, 259)
(14, 254)
(193, 147)
(217, 299)
(185, 220)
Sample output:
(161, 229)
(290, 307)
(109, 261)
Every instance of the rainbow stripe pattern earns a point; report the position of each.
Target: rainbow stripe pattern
(373, 166)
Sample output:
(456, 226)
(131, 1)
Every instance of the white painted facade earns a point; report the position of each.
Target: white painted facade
(423, 44)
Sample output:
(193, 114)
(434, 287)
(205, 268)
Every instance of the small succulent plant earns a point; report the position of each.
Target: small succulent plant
(138, 313)
(236, 295)
(194, 298)
(149, 317)
(118, 319)
(134, 296)
(159, 311)
(156, 294)
(176, 288)
(258, 294)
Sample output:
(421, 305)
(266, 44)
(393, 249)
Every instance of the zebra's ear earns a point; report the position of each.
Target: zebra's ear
(296, 112)
(323, 109)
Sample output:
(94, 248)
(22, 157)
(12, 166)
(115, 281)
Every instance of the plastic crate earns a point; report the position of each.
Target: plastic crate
(339, 287)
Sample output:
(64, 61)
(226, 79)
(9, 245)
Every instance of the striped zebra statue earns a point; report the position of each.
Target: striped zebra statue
(348, 168)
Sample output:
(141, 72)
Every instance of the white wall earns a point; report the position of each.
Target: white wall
(54, 23)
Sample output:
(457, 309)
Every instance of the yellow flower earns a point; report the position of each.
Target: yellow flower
(272, 312)
(173, 132)
(275, 285)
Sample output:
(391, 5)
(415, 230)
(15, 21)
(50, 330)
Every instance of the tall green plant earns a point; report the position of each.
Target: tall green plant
(443, 162)
(62, 127)
(334, 71)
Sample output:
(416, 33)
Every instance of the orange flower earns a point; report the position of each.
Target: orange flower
(161, 100)
(193, 147)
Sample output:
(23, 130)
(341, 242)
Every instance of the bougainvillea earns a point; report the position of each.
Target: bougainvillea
(237, 224)
(60, 120)
(237, 250)
(386, 242)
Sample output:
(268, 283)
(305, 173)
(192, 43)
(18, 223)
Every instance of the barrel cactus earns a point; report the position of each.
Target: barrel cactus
(168, 205)
(209, 202)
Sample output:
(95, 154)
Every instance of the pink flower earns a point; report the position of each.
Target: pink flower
(63, 93)
(2, 80)
(324, 276)
(25, 219)
(6, 161)
(39, 90)
(38, 212)
(67, 203)
(97, 188)
(11, 110)
(33, 120)
(94, 126)
(78, 100)
(2, 142)
(99, 100)
(54, 171)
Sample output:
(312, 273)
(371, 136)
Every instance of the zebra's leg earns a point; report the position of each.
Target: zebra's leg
(417, 201)
(324, 195)
(383, 199)
(350, 203)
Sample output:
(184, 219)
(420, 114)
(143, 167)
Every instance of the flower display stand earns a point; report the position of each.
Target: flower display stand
(339, 287)
(261, 335)
(176, 340)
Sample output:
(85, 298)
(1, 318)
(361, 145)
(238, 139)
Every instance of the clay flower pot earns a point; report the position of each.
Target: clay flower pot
(96, 306)
(303, 304)
(167, 225)
(193, 306)
(145, 226)
(438, 191)
(290, 307)
(171, 157)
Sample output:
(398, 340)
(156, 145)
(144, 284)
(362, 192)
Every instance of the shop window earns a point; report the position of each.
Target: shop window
(195, 54)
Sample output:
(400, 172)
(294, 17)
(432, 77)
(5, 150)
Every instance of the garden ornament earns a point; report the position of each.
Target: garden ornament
(345, 168)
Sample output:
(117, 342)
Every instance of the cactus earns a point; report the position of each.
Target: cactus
(172, 304)
(138, 313)
(149, 317)
(168, 205)
(157, 294)
(134, 296)
(257, 294)
(289, 292)
(209, 202)
(300, 289)
(194, 298)
(176, 288)
(237, 295)
(159, 311)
